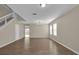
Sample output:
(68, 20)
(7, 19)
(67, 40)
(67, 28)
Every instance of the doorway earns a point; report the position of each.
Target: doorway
(27, 37)
(27, 32)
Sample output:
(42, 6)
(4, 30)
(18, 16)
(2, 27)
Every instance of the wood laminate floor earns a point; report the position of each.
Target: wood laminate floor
(35, 47)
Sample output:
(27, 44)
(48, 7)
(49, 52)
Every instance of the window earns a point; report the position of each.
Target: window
(10, 17)
(55, 29)
(50, 29)
(2, 22)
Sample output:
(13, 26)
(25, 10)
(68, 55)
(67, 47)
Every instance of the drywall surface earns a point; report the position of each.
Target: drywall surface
(21, 27)
(4, 10)
(68, 29)
(21, 31)
(39, 31)
(7, 34)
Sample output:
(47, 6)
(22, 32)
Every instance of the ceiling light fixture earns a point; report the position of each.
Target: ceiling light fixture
(42, 5)
(34, 13)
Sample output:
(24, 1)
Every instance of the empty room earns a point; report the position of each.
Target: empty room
(39, 29)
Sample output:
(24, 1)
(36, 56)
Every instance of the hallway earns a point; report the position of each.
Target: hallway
(35, 47)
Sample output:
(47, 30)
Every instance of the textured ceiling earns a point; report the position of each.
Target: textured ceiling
(34, 13)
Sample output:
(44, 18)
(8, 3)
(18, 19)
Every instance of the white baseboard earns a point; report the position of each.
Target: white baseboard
(65, 46)
(7, 43)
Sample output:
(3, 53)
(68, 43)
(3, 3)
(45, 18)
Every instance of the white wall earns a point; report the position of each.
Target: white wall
(39, 31)
(7, 33)
(21, 27)
(68, 30)
(21, 31)
(4, 11)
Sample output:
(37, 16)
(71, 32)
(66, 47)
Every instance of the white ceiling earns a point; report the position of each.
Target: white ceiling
(44, 15)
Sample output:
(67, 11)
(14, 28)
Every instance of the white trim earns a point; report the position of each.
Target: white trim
(7, 43)
(6, 16)
(65, 46)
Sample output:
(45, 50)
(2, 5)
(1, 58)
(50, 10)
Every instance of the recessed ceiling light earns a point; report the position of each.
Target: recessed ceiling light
(42, 5)
(34, 13)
